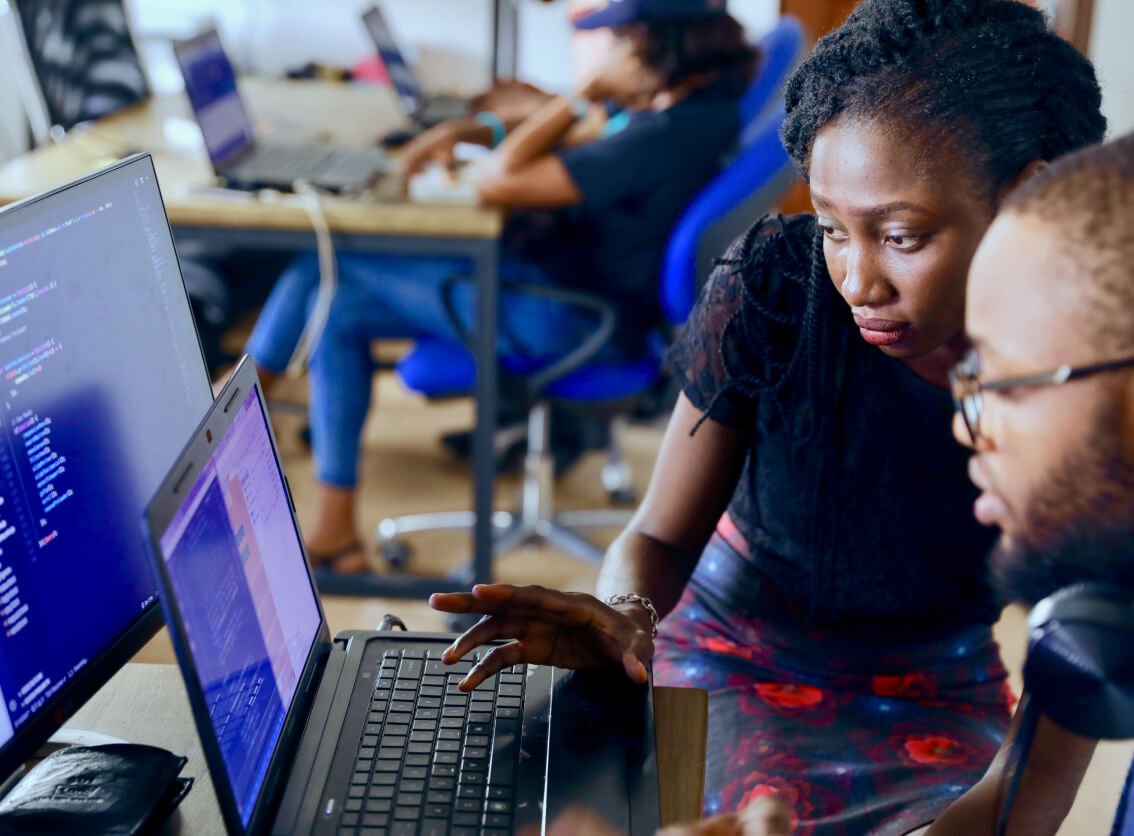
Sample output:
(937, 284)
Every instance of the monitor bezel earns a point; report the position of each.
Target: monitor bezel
(158, 516)
(86, 683)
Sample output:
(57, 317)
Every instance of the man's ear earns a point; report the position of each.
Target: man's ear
(1025, 174)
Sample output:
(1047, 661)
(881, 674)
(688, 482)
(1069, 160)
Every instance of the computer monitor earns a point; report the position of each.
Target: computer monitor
(210, 84)
(102, 379)
(83, 57)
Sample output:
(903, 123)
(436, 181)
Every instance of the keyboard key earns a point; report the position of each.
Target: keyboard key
(375, 820)
(385, 777)
(436, 796)
(378, 706)
(400, 828)
(448, 745)
(427, 714)
(413, 653)
(409, 799)
(511, 679)
(457, 711)
(456, 699)
(508, 713)
(472, 779)
(349, 820)
(415, 773)
(401, 705)
(432, 691)
(383, 694)
(481, 717)
(500, 792)
(379, 805)
(510, 690)
(390, 753)
(434, 827)
(418, 748)
(476, 740)
(464, 831)
(404, 813)
(428, 702)
(361, 777)
(398, 719)
(375, 716)
(469, 805)
(497, 820)
(454, 721)
(394, 741)
(391, 765)
(505, 751)
(481, 696)
(442, 783)
(498, 807)
(404, 694)
(449, 734)
(352, 805)
(416, 760)
(411, 785)
(468, 765)
(509, 702)
(381, 792)
(389, 662)
(424, 725)
(410, 669)
(372, 728)
(444, 770)
(446, 757)
(466, 819)
(480, 728)
(356, 792)
(425, 734)
(468, 791)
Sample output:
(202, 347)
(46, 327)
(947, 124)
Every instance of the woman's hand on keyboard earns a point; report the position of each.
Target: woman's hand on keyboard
(566, 629)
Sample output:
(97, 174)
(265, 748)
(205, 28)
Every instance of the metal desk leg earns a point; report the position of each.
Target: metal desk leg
(487, 396)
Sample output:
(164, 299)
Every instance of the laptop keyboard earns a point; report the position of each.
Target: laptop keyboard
(434, 761)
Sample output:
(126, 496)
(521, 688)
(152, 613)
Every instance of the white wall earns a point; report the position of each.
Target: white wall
(1111, 31)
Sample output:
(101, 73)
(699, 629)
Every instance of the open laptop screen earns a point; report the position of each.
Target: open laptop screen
(401, 76)
(210, 84)
(240, 581)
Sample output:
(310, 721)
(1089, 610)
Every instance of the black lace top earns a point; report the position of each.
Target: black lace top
(854, 499)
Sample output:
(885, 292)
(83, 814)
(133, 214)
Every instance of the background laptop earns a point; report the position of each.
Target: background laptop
(426, 111)
(210, 83)
(367, 734)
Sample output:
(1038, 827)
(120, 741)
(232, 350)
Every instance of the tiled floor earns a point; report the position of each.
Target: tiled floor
(405, 470)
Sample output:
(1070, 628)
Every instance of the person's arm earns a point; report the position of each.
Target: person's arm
(691, 485)
(694, 479)
(1055, 768)
(436, 144)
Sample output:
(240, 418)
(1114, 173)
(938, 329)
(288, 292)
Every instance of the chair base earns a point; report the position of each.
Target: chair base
(535, 523)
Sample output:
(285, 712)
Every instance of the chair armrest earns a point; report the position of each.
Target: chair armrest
(572, 360)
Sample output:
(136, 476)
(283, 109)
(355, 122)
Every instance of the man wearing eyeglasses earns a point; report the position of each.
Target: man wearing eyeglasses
(1046, 401)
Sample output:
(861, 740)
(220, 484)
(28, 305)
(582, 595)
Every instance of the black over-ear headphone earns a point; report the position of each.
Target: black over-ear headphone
(1079, 670)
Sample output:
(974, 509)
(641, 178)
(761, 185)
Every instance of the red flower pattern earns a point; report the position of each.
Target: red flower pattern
(789, 696)
(913, 685)
(936, 751)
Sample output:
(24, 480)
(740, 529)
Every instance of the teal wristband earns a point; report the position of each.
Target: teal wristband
(491, 120)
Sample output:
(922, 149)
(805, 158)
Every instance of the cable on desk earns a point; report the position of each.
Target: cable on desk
(328, 279)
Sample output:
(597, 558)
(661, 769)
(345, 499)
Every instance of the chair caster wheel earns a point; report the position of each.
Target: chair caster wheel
(461, 621)
(396, 554)
(624, 496)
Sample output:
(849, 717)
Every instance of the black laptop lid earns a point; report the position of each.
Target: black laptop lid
(401, 74)
(238, 597)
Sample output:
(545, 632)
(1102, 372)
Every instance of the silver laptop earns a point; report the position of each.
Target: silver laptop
(426, 111)
(236, 155)
(366, 734)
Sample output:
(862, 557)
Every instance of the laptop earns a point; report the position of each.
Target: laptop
(236, 155)
(426, 111)
(366, 734)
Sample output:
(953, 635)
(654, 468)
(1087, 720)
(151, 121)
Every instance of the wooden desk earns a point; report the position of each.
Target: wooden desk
(147, 704)
(379, 221)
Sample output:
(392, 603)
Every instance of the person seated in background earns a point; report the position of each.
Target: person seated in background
(1051, 288)
(616, 197)
(807, 533)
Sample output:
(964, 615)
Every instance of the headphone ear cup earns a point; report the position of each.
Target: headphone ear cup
(1080, 664)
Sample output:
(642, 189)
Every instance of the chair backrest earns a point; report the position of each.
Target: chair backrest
(746, 188)
(83, 58)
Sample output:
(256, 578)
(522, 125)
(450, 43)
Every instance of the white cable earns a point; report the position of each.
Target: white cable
(328, 280)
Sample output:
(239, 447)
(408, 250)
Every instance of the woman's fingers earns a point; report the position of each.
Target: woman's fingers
(488, 629)
(494, 661)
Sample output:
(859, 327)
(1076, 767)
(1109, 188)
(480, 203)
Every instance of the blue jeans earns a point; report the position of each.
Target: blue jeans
(390, 297)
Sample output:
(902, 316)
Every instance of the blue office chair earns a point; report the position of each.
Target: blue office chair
(437, 367)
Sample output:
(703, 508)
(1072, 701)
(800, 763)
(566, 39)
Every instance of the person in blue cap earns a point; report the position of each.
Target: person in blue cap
(593, 204)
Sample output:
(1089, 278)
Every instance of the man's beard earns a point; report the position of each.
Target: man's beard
(1079, 527)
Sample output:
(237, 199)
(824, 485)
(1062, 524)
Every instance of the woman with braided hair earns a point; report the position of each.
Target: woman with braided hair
(808, 534)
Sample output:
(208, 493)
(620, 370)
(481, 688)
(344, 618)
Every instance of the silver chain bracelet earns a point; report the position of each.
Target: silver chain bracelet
(635, 598)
